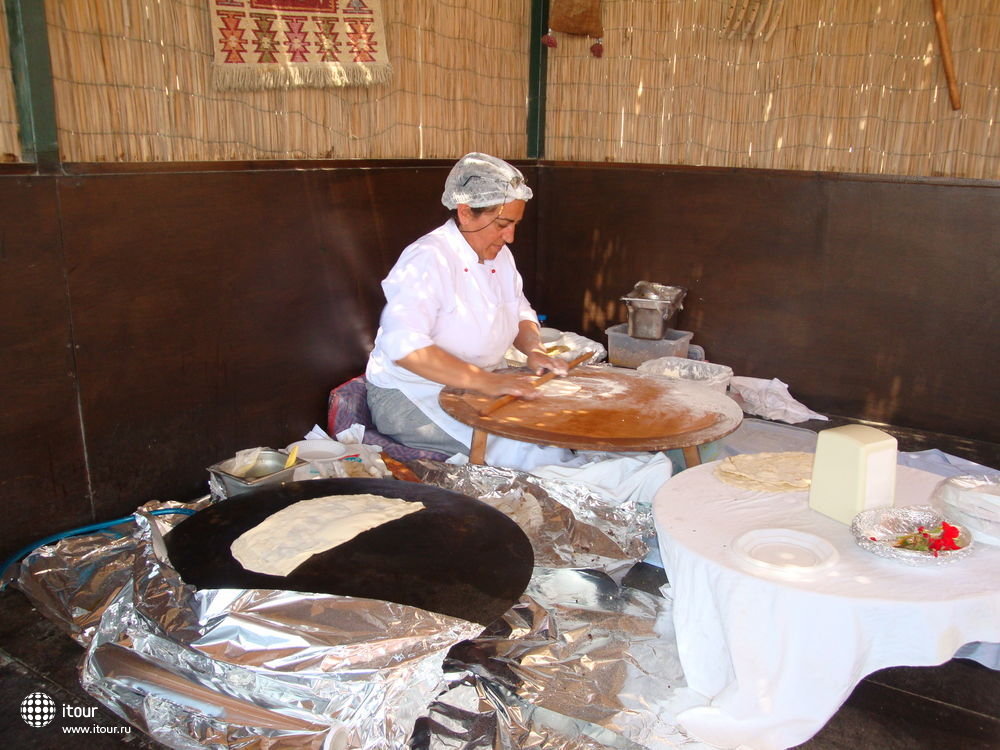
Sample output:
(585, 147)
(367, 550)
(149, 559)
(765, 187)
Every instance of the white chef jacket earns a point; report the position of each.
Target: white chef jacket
(438, 293)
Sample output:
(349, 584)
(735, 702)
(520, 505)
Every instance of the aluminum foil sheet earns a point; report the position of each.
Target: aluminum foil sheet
(580, 662)
(568, 524)
(73, 581)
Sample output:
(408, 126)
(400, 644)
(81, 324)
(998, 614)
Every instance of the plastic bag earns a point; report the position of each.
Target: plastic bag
(770, 399)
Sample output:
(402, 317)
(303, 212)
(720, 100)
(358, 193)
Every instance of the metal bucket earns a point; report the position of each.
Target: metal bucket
(650, 306)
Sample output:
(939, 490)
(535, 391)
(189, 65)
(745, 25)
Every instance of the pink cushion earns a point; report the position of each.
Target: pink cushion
(348, 405)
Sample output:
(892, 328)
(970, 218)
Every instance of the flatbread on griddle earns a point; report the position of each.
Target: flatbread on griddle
(286, 539)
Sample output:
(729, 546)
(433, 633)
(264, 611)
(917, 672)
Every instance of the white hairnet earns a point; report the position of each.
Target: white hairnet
(480, 180)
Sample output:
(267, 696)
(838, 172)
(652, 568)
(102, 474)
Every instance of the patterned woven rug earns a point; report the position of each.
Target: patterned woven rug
(267, 44)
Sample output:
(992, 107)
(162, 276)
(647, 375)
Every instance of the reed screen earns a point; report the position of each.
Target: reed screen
(10, 148)
(133, 83)
(833, 85)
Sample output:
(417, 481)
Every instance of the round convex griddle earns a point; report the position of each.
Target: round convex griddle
(458, 556)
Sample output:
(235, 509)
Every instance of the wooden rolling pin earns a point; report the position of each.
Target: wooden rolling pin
(504, 400)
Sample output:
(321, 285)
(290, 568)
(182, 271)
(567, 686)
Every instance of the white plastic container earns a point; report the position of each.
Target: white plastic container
(974, 502)
(628, 351)
(713, 375)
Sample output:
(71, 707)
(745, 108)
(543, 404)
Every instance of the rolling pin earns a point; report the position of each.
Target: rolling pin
(504, 400)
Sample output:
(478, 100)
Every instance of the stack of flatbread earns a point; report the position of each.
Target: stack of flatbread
(770, 472)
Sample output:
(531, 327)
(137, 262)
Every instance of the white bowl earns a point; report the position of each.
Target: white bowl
(549, 335)
(316, 450)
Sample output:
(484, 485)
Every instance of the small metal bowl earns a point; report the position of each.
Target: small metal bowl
(876, 530)
(269, 468)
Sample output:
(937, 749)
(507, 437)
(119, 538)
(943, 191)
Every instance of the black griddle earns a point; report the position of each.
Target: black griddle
(458, 556)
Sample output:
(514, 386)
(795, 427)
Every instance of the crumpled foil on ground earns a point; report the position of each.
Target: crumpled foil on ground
(568, 524)
(72, 582)
(580, 663)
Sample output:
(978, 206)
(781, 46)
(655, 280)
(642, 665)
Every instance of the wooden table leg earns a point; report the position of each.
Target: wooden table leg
(477, 451)
(691, 456)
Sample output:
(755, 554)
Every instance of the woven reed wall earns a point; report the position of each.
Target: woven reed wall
(132, 83)
(840, 85)
(10, 148)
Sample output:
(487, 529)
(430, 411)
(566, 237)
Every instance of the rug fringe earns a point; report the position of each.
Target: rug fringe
(299, 75)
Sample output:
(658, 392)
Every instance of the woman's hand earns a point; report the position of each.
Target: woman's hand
(500, 383)
(539, 362)
(529, 343)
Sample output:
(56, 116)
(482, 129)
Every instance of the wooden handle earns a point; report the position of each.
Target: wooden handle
(504, 400)
(949, 66)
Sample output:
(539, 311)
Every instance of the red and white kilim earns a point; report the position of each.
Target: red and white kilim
(266, 44)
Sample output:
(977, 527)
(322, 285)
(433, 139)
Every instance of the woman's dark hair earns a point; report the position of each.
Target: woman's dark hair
(453, 213)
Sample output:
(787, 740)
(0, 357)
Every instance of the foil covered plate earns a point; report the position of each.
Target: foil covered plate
(878, 529)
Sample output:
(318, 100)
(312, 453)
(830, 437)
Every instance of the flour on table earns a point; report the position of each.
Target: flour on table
(773, 472)
(558, 388)
(286, 539)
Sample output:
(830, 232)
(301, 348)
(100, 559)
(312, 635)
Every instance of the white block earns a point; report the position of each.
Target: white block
(854, 470)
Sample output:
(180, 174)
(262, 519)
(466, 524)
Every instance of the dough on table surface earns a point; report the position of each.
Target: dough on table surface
(558, 388)
(286, 539)
(767, 471)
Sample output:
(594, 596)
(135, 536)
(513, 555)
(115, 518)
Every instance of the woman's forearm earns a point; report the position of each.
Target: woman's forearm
(434, 363)
(529, 338)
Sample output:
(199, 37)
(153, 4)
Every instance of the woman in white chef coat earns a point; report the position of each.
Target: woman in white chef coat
(454, 305)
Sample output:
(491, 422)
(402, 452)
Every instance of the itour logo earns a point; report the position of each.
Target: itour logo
(38, 709)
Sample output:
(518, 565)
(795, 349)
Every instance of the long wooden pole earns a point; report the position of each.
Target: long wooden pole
(949, 66)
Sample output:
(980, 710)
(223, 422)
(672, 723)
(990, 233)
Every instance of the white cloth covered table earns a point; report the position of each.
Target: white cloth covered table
(773, 654)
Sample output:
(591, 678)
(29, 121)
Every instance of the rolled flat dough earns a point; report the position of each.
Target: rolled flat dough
(286, 539)
(558, 388)
(773, 472)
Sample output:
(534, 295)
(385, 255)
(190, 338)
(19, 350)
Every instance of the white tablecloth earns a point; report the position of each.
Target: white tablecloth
(773, 655)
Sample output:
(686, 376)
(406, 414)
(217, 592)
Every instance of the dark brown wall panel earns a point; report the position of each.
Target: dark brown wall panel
(917, 271)
(186, 294)
(871, 299)
(213, 312)
(43, 484)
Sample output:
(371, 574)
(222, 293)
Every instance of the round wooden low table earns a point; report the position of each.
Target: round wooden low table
(602, 409)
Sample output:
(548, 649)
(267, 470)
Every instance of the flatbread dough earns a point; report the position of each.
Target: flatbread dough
(771, 472)
(558, 388)
(286, 539)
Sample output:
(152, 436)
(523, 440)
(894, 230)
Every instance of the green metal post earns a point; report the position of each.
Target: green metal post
(536, 79)
(32, 67)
